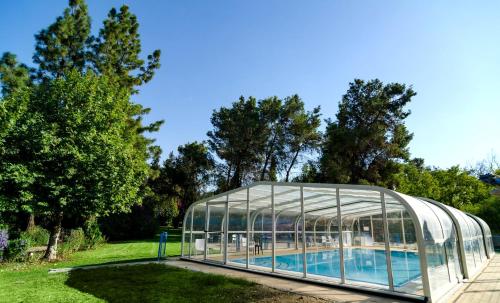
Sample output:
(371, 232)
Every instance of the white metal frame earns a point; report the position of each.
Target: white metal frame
(300, 186)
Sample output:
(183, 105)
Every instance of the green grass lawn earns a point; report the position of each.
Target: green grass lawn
(21, 282)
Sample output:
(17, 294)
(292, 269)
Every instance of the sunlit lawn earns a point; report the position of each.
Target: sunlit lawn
(139, 283)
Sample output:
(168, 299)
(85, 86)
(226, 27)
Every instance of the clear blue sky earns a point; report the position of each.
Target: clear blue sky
(215, 51)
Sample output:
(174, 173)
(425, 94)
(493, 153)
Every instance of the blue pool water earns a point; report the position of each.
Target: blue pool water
(363, 265)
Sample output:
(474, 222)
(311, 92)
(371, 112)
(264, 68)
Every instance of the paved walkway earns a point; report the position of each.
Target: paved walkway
(485, 288)
(322, 292)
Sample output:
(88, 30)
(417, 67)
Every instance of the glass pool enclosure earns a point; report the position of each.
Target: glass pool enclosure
(354, 236)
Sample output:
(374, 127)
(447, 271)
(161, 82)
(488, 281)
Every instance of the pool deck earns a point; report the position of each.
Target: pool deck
(329, 294)
(484, 288)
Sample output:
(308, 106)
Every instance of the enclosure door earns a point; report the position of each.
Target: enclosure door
(215, 232)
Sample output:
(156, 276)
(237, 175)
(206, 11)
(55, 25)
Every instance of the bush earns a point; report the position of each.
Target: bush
(73, 242)
(93, 235)
(17, 249)
(38, 236)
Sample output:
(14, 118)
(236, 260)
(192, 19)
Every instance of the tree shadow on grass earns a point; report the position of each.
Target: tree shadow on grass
(160, 283)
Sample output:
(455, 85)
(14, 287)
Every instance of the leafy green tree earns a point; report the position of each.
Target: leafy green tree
(237, 139)
(13, 75)
(416, 180)
(262, 140)
(458, 188)
(455, 186)
(76, 144)
(273, 120)
(67, 45)
(184, 178)
(301, 132)
(368, 138)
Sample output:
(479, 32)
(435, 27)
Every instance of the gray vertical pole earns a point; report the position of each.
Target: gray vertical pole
(304, 238)
(403, 229)
(314, 231)
(359, 232)
(226, 227)
(191, 233)
(296, 228)
(207, 218)
(273, 237)
(371, 228)
(387, 245)
(341, 240)
(248, 226)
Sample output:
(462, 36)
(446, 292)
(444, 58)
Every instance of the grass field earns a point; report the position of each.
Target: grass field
(139, 283)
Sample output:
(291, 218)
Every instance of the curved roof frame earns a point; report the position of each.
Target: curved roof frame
(456, 222)
(383, 191)
(481, 223)
(331, 191)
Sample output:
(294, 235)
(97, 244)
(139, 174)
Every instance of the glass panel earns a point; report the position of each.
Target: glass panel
(185, 248)
(237, 234)
(187, 225)
(197, 246)
(363, 238)
(199, 217)
(288, 240)
(261, 228)
(440, 245)
(215, 240)
(405, 258)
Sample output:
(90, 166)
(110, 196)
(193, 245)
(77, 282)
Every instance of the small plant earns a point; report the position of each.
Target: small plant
(38, 236)
(17, 249)
(73, 242)
(93, 235)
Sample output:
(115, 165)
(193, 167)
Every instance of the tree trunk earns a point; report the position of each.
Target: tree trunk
(31, 221)
(291, 166)
(266, 162)
(55, 231)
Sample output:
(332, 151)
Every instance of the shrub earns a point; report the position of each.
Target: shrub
(72, 242)
(140, 223)
(93, 235)
(17, 249)
(38, 236)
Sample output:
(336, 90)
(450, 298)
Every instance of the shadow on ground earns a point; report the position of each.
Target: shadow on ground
(160, 283)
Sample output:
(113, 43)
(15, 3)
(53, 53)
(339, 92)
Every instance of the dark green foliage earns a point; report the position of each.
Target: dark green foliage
(117, 48)
(140, 223)
(183, 180)
(261, 140)
(454, 186)
(17, 249)
(300, 132)
(62, 47)
(37, 235)
(73, 149)
(13, 75)
(236, 139)
(489, 211)
(368, 138)
(66, 47)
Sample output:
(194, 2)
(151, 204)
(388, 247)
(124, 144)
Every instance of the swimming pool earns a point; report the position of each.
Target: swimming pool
(362, 265)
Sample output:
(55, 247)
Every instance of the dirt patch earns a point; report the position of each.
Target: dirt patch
(265, 294)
